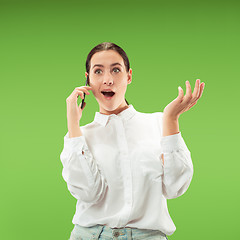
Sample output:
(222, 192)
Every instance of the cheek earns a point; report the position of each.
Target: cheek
(96, 93)
(124, 88)
(94, 89)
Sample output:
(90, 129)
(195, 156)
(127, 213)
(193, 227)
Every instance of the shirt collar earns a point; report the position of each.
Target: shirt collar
(125, 115)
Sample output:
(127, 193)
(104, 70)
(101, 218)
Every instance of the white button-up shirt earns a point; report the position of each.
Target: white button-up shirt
(116, 173)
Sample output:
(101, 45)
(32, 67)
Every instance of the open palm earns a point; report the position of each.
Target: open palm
(183, 103)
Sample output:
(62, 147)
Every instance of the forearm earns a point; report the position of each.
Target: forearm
(178, 167)
(170, 126)
(74, 130)
(80, 171)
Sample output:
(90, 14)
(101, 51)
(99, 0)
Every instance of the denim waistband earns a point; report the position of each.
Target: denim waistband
(94, 232)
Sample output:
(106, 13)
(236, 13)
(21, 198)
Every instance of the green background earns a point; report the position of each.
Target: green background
(43, 49)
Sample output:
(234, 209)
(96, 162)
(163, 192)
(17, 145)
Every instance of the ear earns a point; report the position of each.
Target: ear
(86, 74)
(129, 76)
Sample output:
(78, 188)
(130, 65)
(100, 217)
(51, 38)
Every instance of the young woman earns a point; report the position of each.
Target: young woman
(123, 166)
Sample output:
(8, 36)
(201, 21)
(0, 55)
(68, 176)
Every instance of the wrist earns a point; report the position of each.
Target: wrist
(170, 126)
(167, 117)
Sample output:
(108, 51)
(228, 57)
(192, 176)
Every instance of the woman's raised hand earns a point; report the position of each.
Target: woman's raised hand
(74, 112)
(184, 103)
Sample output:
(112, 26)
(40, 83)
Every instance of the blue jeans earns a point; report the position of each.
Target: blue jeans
(103, 232)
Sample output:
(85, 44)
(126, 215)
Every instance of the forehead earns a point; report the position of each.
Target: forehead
(106, 58)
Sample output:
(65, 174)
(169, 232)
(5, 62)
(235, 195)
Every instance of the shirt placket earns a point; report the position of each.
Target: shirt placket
(126, 166)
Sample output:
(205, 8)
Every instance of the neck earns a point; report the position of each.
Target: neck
(116, 111)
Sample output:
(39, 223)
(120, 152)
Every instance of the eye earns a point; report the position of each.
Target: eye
(117, 69)
(97, 70)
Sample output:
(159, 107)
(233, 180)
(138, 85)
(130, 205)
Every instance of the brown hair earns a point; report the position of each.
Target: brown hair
(107, 46)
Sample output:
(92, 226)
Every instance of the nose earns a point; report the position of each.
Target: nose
(108, 79)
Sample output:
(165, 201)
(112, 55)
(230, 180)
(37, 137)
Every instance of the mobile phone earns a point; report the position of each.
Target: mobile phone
(84, 93)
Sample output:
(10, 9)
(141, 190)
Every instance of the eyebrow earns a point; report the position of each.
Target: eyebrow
(99, 65)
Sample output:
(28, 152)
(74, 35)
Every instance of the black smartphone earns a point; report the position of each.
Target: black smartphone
(84, 93)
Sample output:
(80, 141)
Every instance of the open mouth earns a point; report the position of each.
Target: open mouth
(108, 95)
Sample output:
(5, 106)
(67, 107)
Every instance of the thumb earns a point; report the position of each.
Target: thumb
(180, 94)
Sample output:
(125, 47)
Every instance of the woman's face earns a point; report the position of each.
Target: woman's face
(109, 76)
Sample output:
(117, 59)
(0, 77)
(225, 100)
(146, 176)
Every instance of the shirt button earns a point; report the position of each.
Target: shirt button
(116, 234)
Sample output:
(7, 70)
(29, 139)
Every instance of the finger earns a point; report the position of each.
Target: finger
(85, 87)
(200, 94)
(79, 93)
(180, 94)
(88, 87)
(82, 89)
(190, 106)
(196, 89)
(188, 90)
(188, 97)
(201, 89)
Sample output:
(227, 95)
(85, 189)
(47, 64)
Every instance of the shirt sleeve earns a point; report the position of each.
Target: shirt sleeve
(80, 171)
(178, 166)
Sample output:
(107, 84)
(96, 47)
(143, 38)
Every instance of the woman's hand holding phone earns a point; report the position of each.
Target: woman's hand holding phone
(74, 112)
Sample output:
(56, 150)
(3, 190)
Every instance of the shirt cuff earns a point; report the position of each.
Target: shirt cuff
(75, 143)
(173, 142)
